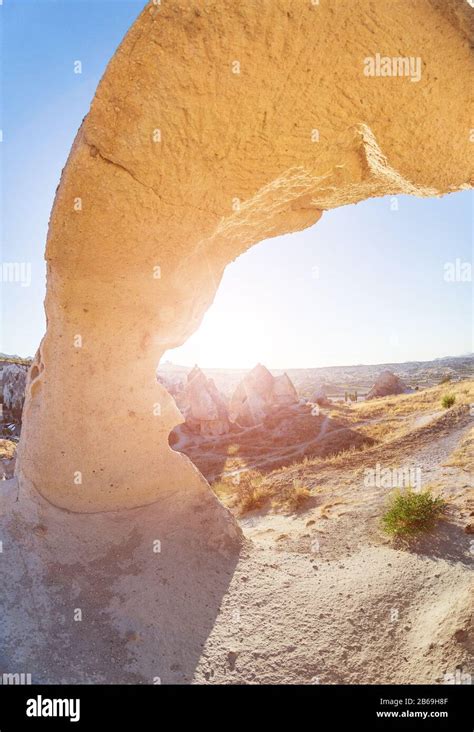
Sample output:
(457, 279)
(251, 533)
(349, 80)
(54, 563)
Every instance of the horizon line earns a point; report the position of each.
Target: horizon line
(308, 368)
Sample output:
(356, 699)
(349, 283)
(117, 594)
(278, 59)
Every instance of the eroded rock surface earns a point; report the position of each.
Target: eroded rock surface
(258, 394)
(386, 384)
(321, 394)
(13, 382)
(203, 406)
(212, 129)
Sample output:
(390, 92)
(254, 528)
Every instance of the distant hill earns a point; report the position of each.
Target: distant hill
(339, 379)
(9, 358)
(421, 374)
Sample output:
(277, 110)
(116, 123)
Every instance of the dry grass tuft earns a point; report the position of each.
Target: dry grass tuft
(463, 455)
(419, 401)
(250, 491)
(7, 449)
(292, 497)
(245, 492)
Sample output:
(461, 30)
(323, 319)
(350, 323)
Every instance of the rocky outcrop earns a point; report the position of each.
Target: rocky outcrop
(387, 384)
(249, 402)
(173, 385)
(203, 406)
(258, 394)
(320, 394)
(284, 392)
(13, 381)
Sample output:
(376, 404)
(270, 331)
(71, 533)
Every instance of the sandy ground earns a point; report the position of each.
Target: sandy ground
(323, 597)
(315, 596)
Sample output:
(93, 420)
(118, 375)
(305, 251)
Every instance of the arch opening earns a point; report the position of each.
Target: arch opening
(144, 224)
(331, 321)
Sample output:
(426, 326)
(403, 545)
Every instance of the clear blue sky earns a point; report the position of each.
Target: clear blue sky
(364, 285)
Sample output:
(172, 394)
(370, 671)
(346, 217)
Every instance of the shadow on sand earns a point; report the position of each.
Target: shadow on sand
(119, 597)
(448, 542)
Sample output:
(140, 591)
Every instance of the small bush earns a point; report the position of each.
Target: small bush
(409, 513)
(292, 497)
(448, 400)
(7, 449)
(251, 492)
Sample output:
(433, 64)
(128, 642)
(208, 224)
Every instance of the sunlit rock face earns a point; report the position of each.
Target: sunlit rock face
(386, 384)
(249, 402)
(284, 392)
(258, 394)
(215, 127)
(204, 407)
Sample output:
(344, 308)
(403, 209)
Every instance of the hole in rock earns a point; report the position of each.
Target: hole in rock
(276, 386)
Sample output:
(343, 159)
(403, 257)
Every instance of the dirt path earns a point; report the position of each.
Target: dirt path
(300, 449)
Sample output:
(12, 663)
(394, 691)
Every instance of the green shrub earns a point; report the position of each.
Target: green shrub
(409, 513)
(448, 400)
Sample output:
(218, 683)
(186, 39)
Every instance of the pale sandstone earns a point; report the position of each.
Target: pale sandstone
(284, 392)
(174, 204)
(204, 408)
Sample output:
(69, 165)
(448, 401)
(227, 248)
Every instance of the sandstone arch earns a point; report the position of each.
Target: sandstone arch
(172, 139)
(127, 205)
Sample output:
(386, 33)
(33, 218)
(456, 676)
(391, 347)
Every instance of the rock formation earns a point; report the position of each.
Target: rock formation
(250, 400)
(13, 380)
(257, 394)
(216, 125)
(245, 161)
(386, 384)
(204, 408)
(320, 394)
(284, 392)
(173, 386)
